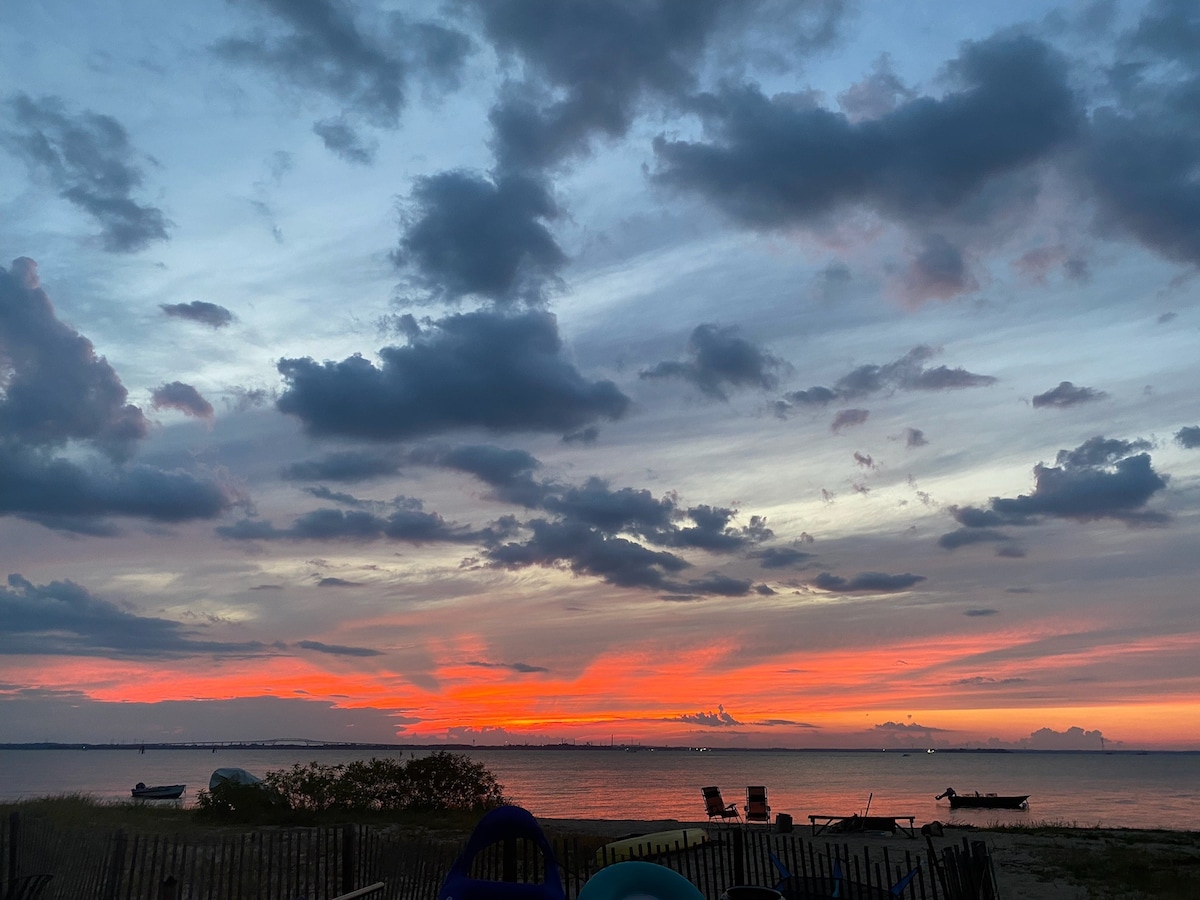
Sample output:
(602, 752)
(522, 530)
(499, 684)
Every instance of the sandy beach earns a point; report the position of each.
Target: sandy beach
(1028, 865)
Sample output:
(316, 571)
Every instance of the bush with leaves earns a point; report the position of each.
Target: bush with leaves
(439, 781)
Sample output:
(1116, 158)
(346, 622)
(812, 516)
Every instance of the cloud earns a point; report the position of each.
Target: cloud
(914, 437)
(55, 386)
(1188, 437)
(199, 311)
(780, 557)
(965, 537)
(718, 719)
(344, 466)
(340, 138)
(409, 523)
(467, 235)
(1074, 738)
(720, 359)
(867, 583)
(908, 373)
(58, 392)
(1142, 145)
(337, 649)
(182, 397)
(88, 159)
(476, 370)
(335, 582)
(60, 493)
(980, 612)
(508, 472)
(589, 67)
(365, 66)
(63, 618)
(1101, 479)
(519, 667)
(1067, 394)
(848, 418)
(939, 272)
(587, 551)
(775, 162)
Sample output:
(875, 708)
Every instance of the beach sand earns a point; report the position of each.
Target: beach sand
(1028, 866)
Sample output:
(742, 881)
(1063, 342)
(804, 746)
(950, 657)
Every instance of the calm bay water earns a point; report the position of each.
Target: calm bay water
(1154, 790)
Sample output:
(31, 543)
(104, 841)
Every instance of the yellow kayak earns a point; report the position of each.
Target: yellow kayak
(652, 844)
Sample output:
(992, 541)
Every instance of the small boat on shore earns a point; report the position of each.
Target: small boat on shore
(984, 801)
(158, 791)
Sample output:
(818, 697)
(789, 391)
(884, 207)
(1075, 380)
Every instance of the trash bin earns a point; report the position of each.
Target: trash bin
(751, 892)
(783, 823)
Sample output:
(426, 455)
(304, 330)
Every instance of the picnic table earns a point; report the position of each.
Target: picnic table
(857, 824)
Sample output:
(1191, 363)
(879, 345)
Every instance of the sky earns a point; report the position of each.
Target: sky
(791, 373)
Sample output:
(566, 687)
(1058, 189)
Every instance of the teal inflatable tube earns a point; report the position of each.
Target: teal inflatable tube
(639, 880)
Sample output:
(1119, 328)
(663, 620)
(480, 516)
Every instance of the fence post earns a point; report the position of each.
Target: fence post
(120, 840)
(510, 860)
(739, 857)
(349, 859)
(14, 840)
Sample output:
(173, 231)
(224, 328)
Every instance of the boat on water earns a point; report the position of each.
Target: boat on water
(158, 791)
(984, 801)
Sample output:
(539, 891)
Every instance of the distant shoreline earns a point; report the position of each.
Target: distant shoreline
(292, 744)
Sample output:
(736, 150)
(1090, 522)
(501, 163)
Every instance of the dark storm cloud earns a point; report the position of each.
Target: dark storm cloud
(774, 162)
(365, 66)
(1142, 149)
(340, 138)
(780, 557)
(337, 649)
(503, 373)
(344, 465)
(1100, 479)
(183, 397)
(64, 618)
(46, 489)
(1067, 394)
(199, 311)
(867, 583)
(1188, 437)
(908, 373)
(409, 523)
(720, 358)
(88, 159)
(55, 386)
(468, 235)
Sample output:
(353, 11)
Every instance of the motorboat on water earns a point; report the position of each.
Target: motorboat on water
(158, 791)
(984, 801)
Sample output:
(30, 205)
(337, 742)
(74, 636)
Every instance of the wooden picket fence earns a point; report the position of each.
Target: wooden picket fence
(328, 862)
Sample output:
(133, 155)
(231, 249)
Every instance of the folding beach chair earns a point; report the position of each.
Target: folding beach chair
(716, 807)
(757, 808)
